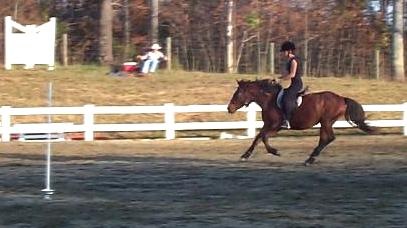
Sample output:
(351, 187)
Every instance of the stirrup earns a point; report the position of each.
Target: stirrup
(286, 124)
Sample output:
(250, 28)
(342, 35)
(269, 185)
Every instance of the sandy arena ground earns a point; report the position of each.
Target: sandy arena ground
(359, 181)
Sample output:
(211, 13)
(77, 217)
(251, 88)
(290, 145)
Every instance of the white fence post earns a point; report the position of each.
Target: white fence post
(405, 118)
(251, 121)
(169, 119)
(89, 121)
(5, 123)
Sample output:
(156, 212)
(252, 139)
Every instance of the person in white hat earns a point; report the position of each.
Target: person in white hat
(152, 59)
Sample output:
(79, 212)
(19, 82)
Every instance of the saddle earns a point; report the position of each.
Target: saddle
(300, 94)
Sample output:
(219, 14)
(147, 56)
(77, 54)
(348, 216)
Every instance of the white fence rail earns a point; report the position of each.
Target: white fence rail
(169, 125)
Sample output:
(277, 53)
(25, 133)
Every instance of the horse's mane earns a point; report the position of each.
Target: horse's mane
(265, 85)
(270, 85)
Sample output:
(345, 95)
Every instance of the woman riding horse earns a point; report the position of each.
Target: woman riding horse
(323, 107)
(293, 73)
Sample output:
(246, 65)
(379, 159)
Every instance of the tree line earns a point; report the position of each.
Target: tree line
(334, 37)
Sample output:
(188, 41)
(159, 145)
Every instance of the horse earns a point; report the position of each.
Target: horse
(319, 107)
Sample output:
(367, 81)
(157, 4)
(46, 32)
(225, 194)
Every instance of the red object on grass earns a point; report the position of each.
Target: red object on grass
(129, 67)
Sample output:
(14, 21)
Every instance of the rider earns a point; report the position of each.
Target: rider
(293, 73)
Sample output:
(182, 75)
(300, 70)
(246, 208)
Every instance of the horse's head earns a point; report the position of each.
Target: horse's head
(242, 96)
(252, 91)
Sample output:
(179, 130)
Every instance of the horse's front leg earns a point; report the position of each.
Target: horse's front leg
(249, 151)
(265, 139)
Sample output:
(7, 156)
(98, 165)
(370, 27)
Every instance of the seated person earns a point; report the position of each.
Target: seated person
(151, 59)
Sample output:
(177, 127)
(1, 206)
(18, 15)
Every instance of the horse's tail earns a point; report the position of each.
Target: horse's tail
(355, 115)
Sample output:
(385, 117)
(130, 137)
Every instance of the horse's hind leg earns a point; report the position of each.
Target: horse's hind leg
(326, 136)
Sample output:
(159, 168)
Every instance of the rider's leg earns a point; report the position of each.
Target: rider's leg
(289, 104)
(290, 100)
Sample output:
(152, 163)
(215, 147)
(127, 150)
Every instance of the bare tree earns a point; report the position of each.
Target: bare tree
(106, 34)
(126, 28)
(154, 21)
(398, 47)
(15, 14)
(335, 37)
(230, 57)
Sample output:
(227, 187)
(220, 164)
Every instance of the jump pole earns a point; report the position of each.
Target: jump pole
(47, 190)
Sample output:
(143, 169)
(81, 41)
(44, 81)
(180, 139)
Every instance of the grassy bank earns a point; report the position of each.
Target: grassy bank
(76, 85)
(80, 85)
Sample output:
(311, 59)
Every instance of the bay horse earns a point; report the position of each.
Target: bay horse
(319, 107)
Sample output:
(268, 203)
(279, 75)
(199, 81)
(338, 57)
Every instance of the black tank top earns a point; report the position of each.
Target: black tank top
(299, 67)
(296, 81)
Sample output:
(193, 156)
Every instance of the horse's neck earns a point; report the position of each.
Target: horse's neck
(265, 100)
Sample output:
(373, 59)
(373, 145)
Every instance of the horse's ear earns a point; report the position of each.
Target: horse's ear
(241, 82)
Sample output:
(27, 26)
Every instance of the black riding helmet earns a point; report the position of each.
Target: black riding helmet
(287, 46)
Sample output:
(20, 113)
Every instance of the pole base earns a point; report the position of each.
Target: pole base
(47, 193)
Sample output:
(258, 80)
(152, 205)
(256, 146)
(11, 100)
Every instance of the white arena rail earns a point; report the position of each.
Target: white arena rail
(169, 125)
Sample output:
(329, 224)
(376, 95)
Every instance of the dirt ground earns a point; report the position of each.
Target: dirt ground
(359, 181)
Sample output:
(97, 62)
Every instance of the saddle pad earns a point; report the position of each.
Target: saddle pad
(280, 99)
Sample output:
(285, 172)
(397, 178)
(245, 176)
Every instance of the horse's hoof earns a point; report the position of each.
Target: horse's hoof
(243, 159)
(309, 161)
(274, 152)
(277, 154)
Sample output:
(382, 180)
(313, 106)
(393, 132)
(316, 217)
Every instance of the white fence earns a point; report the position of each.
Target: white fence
(30, 44)
(169, 125)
